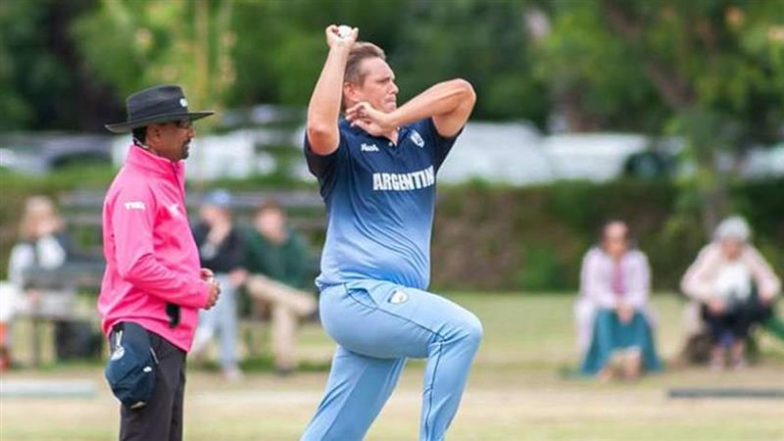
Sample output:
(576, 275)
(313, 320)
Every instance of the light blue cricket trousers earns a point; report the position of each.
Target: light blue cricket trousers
(377, 326)
(221, 319)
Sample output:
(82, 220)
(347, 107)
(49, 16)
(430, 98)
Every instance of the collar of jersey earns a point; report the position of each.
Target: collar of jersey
(152, 164)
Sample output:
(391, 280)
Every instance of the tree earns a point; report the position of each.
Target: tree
(44, 83)
(483, 42)
(183, 42)
(282, 46)
(708, 71)
(272, 51)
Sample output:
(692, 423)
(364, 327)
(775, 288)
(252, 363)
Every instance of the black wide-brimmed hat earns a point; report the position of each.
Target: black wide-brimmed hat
(157, 104)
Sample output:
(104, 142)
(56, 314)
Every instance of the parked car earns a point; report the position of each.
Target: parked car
(592, 156)
(516, 154)
(39, 153)
(508, 153)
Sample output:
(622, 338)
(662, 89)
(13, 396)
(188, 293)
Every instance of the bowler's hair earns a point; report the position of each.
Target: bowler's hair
(360, 51)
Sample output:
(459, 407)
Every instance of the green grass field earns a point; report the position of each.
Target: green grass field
(517, 391)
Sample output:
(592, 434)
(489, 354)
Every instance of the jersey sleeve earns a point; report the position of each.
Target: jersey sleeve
(441, 145)
(326, 167)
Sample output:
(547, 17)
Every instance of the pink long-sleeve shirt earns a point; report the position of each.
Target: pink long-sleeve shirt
(699, 280)
(597, 279)
(151, 256)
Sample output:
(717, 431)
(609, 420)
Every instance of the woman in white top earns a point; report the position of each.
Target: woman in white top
(42, 245)
(735, 288)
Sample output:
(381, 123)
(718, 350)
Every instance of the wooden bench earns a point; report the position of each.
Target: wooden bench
(57, 301)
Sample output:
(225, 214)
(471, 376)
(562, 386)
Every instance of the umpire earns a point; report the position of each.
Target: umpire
(153, 286)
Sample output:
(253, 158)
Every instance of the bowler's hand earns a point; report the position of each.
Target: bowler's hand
(214, 290)
(334, 39)
(369, 119)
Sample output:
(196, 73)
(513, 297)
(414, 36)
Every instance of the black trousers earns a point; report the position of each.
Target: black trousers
(737, 320)
(161, 419)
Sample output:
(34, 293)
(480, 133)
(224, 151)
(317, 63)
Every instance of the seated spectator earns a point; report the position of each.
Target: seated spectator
(734, 288)
(614, 325)
(221, 250)
(43, 246)
(278, 263)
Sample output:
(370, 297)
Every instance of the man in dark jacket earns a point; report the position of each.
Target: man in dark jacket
(221, 250)
(277, 261)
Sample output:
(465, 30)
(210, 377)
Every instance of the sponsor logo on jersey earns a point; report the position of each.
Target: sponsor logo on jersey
(368, 147)
(404, 181)
(135, 205)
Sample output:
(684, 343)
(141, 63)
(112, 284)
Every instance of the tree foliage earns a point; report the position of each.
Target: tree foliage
(709, 71)
(135, 44)
(657, 67)
(43, 82)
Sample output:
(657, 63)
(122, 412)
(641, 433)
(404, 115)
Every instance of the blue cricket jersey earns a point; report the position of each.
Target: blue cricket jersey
(380, 202)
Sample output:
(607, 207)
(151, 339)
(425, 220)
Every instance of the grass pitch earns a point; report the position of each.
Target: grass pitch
(517, 391)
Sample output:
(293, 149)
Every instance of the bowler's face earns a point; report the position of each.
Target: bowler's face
(378, 87)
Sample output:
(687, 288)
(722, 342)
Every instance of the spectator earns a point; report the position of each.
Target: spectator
(221, 250)
(614, 322)
(43, 246)
(43, 243)
(278, 263)
(734, 288)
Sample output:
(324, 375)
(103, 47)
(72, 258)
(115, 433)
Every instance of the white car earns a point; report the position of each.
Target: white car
(40, 153)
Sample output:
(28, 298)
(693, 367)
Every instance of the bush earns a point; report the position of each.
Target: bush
(498, 238)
